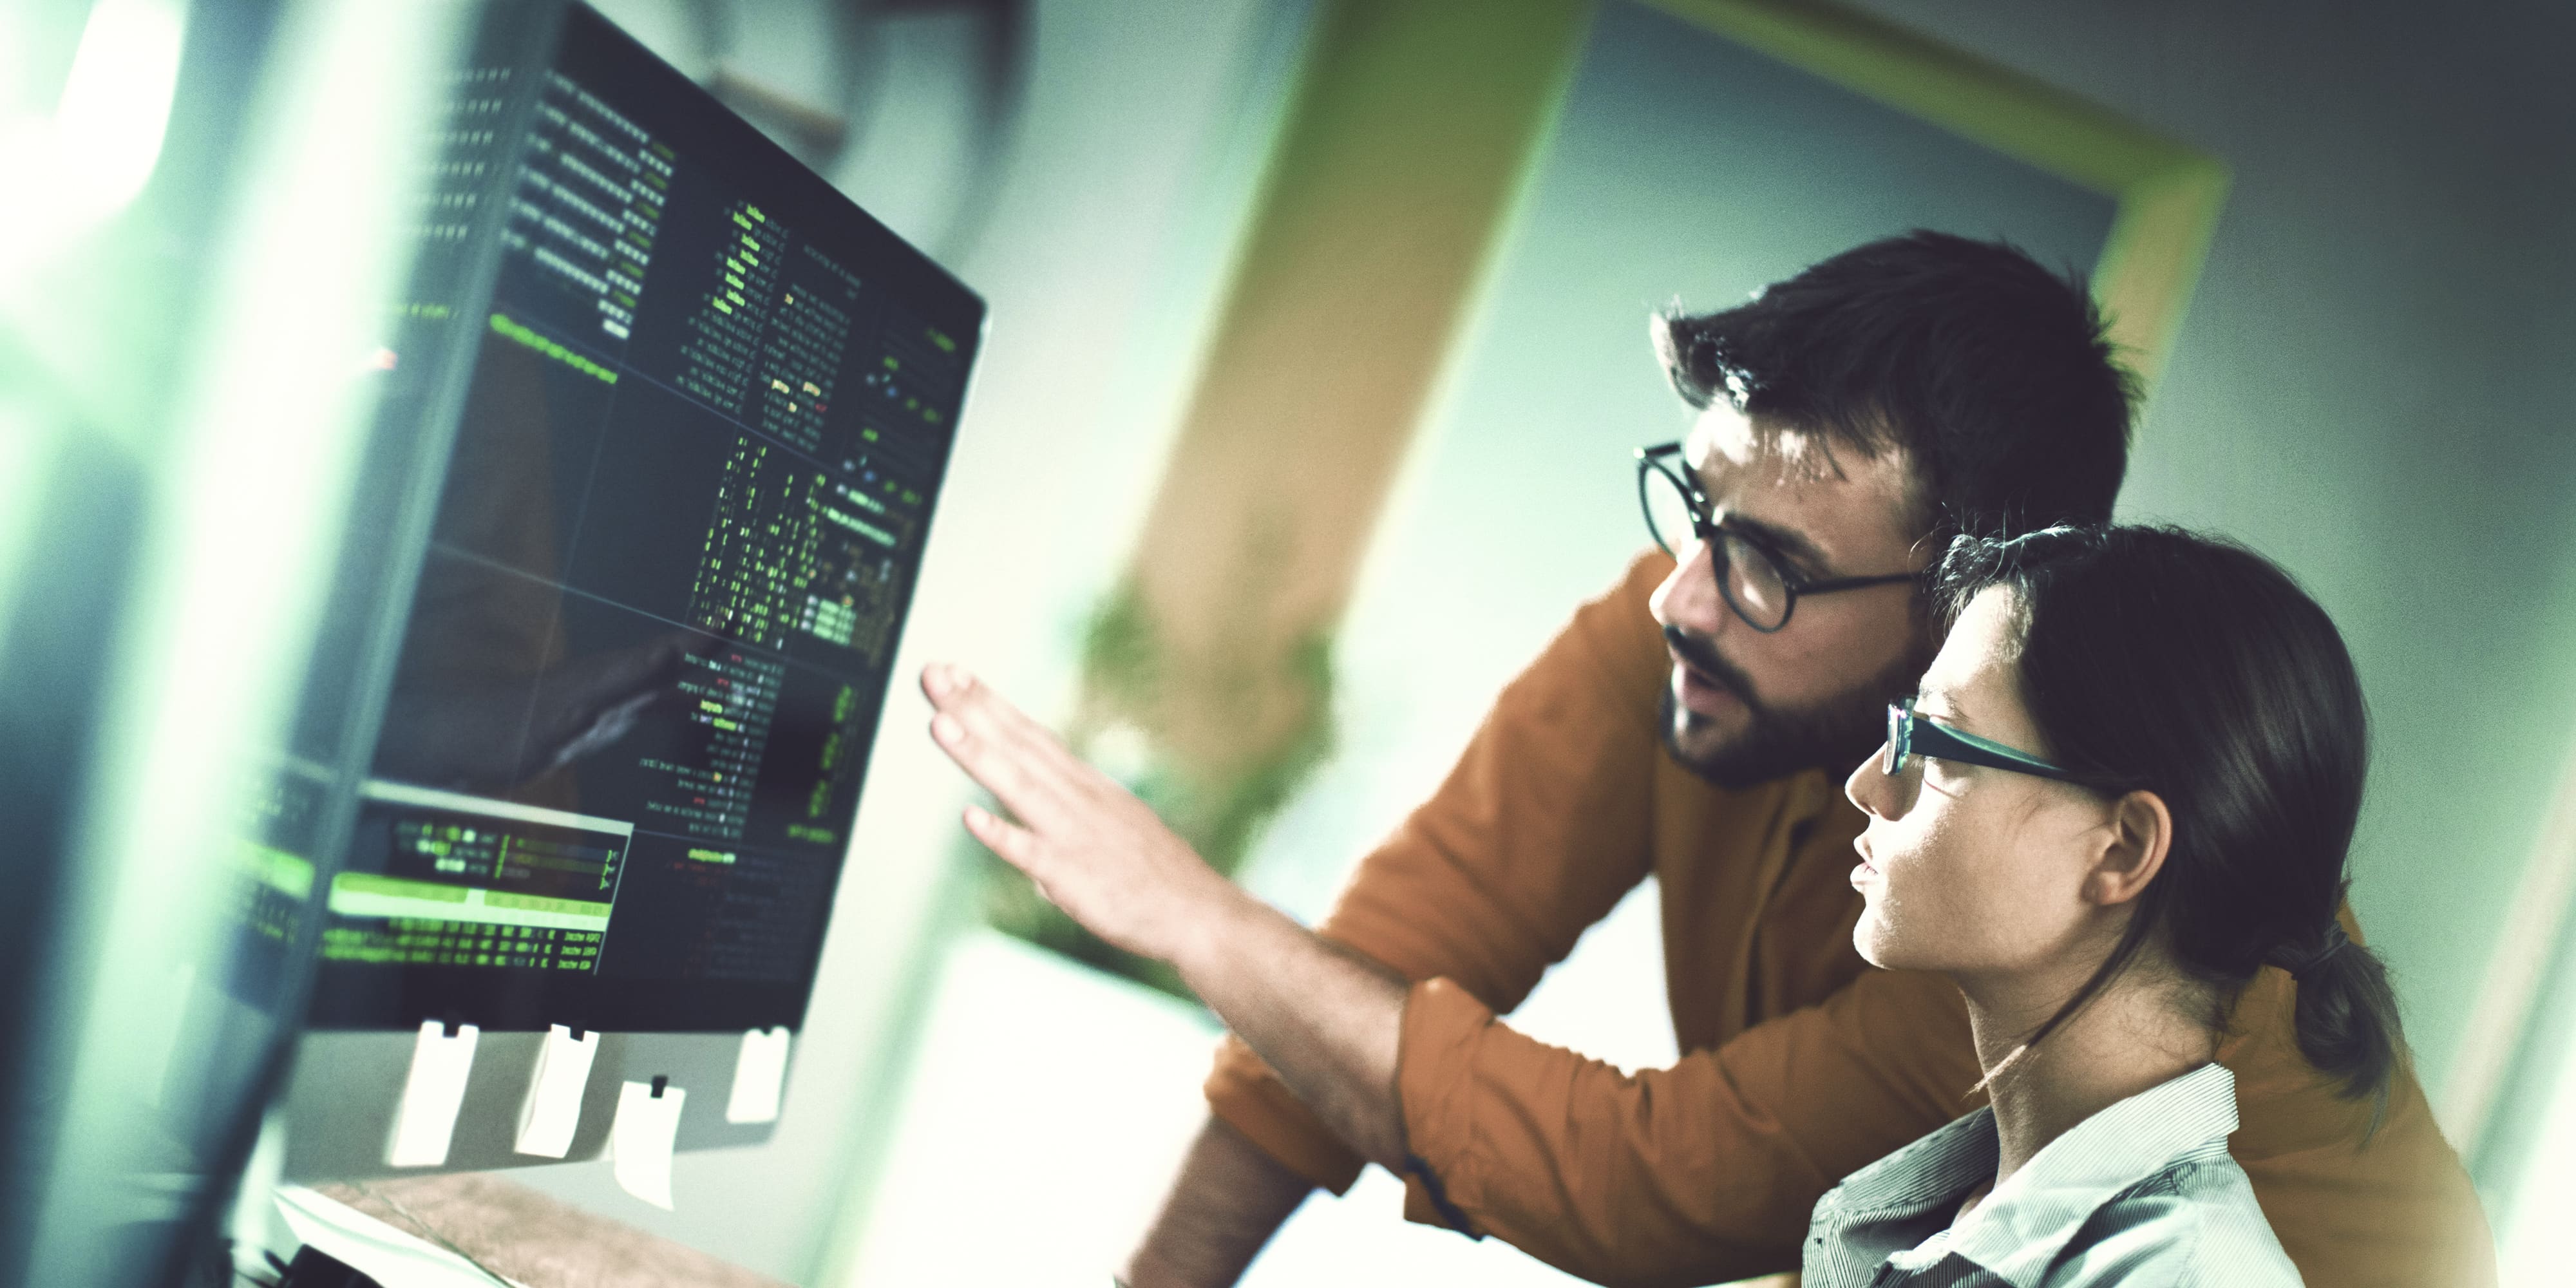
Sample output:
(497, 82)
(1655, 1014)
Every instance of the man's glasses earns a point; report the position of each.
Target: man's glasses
(1761, 589)
(1910, 735)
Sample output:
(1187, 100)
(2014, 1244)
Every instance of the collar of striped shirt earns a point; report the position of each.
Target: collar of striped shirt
(2020, 1229)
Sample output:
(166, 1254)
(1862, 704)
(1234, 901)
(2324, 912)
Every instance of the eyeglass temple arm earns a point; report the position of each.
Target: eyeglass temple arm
(1853, 583)
(1993, 755)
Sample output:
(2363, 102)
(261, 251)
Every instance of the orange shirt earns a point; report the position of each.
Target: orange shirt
(1801, 1062)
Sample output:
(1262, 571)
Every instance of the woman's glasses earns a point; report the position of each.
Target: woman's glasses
(1910, 735)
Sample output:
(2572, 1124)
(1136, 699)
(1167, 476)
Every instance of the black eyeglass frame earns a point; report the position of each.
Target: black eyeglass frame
(1792, 584)
(1910, 735)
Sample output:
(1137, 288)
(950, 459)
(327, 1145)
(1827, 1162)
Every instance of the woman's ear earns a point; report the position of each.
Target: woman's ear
(2137, 835)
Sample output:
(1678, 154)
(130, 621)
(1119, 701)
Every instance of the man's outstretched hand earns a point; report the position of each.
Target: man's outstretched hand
(1326, 1018)
(1093, 849)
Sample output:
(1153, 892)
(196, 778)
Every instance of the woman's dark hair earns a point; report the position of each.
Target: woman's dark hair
(1996, 376)
(2154, 659)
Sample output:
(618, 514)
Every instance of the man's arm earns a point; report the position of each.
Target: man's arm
(1327, 1019)
(1537, 831)
(1227, 1200)
(1703, 1172)
(1698, 1173)
(1540, 827)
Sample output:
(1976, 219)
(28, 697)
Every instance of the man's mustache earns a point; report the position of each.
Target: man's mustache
(1702, 657)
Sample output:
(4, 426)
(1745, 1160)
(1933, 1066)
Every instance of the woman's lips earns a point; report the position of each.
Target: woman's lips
(1867, 871)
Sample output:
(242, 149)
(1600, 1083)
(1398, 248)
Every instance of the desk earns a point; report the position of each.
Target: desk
(536, 1240)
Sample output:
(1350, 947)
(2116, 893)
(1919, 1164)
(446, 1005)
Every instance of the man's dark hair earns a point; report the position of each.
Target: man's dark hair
(1991, 373)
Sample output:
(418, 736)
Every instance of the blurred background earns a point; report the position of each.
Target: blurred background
(1277, 596)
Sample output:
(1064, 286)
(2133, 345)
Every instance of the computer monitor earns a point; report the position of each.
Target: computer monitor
(685, 418)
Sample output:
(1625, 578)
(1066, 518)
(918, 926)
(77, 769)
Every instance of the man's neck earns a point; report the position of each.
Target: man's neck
(2131, 1037)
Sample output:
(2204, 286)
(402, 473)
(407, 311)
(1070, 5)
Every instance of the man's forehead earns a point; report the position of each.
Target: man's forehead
(1785, 476)
(1722, 436)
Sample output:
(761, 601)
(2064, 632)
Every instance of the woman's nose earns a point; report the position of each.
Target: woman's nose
(1870, 789)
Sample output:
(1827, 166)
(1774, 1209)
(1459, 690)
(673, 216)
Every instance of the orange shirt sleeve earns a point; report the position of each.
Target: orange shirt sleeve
(1707, 1171)
(1700, 1173)
(1537, 832)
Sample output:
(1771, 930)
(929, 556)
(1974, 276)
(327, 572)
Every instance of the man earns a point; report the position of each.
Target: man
(1692, 724)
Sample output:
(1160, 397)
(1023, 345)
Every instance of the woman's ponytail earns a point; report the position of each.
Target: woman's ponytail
(2346, 1017)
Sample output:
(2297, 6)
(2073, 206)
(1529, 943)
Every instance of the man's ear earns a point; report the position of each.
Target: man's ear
(2136, 836)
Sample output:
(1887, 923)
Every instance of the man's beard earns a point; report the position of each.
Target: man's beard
(1776, 742)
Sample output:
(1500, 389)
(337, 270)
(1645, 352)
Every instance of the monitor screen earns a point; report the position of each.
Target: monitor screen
(709, 406)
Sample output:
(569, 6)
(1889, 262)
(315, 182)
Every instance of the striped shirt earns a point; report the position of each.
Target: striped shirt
(2141, 1194)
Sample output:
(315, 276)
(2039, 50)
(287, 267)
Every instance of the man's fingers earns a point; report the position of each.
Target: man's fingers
(1022, 762)
(1016, 844)
(988, 714)
(991, 736)
(997, 768)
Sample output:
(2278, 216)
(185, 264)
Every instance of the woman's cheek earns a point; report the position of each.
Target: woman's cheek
(1915, 905)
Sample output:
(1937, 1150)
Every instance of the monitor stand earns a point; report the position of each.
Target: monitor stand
(348, 1085)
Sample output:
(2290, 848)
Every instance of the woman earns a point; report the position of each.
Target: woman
(2126, 785)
